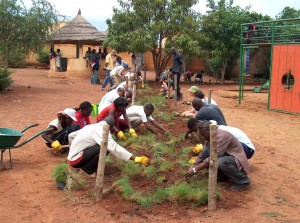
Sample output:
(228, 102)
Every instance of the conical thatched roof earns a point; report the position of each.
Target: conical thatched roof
(78, 29)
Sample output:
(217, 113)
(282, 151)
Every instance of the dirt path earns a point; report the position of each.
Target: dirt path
(28, 193)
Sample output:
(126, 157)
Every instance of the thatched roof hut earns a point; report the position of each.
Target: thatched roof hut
(79, 30)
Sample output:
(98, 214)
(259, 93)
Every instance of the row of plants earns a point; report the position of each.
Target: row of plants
(162, 180)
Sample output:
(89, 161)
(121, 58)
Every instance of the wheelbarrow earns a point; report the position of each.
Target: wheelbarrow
(9, 138)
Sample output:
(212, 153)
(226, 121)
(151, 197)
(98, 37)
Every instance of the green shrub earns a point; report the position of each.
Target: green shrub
(5, 79)
(43, 56)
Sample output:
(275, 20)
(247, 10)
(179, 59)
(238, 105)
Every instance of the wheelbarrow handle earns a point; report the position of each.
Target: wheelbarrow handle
(28, 140)
(30, 126)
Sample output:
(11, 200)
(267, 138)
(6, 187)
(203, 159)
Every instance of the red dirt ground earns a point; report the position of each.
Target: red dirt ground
(28, 194)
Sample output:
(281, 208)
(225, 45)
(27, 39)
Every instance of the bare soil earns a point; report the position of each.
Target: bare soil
(28, 194)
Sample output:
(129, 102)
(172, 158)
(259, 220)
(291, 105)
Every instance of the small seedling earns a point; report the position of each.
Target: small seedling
(160, 179)
(131, 169)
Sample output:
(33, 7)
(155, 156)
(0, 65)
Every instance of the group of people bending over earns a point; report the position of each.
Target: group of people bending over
(234, 147)
(72, 132)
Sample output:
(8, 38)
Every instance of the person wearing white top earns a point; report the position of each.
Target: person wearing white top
(85, 147)
(118, 74)
(142, 114)
(242, 138)
(110, 97)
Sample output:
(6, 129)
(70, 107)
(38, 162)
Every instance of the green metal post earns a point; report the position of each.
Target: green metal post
(271, 61)
(241, 65)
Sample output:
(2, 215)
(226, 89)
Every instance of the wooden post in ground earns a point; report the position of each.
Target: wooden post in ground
(175, 88)
(133, 94)
(101, 164)
(145, 73)
(209, 97)
(169, 86)
(213, 169)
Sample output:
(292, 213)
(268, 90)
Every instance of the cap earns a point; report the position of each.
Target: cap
(125, 65)
(69, 112)
(193, 89)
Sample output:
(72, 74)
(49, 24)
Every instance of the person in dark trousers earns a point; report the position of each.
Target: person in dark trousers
(177, 68)
(232, 161)
(95, 67)
(85, 148)
(58, 130)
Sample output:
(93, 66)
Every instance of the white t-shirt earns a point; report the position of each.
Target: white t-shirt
(116, 70)
(57, 124)
(239, 134)
(212, 101)
(138, 111)
(91, 135)
(107, 100)
(137, 61)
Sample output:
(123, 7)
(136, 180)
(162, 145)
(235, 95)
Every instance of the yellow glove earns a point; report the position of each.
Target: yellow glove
(56, 145)
(192, 160)
(133, 133)
(141, 159)
(143, 86)
(197, 149)
(121, 135)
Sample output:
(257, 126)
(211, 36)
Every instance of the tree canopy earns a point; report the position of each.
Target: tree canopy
(24, 30)
(150, 25)
(220, 35)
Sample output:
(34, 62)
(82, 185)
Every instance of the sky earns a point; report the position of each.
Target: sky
(97, 11)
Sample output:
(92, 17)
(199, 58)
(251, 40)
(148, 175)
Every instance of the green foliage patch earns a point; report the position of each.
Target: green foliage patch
(5, 79)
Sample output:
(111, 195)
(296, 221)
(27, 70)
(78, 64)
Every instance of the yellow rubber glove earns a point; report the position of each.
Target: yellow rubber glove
(133, 133)
(197, 149)
(56, 145)
(143, 86)
(121, 135)
(141, 159)
(192, 160)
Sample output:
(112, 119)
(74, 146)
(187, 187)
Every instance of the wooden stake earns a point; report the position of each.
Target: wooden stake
(101, 164)
(175, 88)
(209, 97)
(145, 73)
(133, 95)
(213, 169)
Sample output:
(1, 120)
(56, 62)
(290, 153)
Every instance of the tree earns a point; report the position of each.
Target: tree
(288, 13)
(24, 30)
(144, 25)
(220, 35)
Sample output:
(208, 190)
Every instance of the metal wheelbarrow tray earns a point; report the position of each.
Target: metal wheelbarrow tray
(9, 138)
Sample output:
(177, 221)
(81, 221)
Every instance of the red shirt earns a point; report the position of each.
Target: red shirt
(105, 112)
(81, 119)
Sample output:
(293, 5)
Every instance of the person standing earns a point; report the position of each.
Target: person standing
(57, 60)
(136, 63)
(110, 62)
(177, 68)
(95, 67)
(88, 57)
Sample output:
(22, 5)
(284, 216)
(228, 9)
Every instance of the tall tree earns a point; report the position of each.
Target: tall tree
(24, 30)
(151, 25)
(288, 13)
(220, 35)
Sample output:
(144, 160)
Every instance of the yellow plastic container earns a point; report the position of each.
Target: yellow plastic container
(95, 109)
